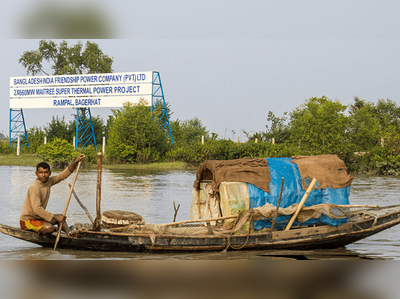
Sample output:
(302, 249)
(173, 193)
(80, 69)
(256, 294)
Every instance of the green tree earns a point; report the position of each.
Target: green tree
(388, 113)
(35, 137)
(134, 136)
(66, 59)
(279, 128)
(59, 153)
(188, 131)
(364, 125)
(58, 128)
(369, 122)
(320, 126)
(4, 148)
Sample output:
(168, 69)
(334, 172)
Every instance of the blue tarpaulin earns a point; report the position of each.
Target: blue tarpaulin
(292, 193)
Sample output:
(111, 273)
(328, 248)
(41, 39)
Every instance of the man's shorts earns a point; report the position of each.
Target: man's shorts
(31, 224)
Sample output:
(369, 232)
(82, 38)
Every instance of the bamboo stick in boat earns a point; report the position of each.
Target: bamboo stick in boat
(303, 200)
(96, 225)
(66, 205)
(277, 207)
(358, 206)
(183, 222)
(81, 204)
(199, 220)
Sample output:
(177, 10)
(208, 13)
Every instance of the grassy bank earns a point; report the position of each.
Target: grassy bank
(22, 160)
(152, 166)
(33, 160)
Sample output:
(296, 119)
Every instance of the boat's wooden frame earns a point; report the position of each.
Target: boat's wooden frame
(303, 238)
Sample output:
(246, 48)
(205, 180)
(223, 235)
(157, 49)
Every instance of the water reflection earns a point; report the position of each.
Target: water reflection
(152, 194)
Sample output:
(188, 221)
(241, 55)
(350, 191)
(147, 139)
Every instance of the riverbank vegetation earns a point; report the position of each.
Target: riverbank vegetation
(365, 135)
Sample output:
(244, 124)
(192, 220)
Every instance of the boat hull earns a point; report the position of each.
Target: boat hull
(308, 238)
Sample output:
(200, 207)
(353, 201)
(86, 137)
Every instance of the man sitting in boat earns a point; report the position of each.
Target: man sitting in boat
(34, 215)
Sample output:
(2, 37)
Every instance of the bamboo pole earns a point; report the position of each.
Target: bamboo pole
(199, 220)
(358, 206)
(66, 205)
(277, 207)
(81, 204)
(96, 225)
(180, 222)
(300, 206)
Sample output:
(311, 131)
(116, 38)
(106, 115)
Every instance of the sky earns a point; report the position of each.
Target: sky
(226, 62)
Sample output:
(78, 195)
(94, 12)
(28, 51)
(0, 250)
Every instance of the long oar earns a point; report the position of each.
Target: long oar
(303, 200)
(81, 204)
(66, 205)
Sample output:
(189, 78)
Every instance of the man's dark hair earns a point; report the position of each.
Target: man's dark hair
(44, 165)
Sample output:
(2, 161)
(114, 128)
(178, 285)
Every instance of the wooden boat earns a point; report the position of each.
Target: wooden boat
(368, 222)
(238, 226)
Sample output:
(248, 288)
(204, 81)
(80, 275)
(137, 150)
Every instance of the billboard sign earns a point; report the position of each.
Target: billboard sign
(80, 91)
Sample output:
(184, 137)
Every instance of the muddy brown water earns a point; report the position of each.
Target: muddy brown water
(152, 194)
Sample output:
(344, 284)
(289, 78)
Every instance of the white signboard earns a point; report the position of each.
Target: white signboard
(80, 91)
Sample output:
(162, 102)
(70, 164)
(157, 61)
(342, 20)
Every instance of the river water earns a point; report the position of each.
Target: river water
(152, 195)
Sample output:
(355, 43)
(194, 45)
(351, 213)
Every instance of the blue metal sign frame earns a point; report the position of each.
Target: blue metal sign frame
(159, 106)
(84, 129)
(17, 129)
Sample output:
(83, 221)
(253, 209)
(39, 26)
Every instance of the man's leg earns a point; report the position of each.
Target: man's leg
(47, 228)
(41, 226)
(65, 227)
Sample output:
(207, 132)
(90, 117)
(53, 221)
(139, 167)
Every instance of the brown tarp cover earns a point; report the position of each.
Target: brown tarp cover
(246, 170)
(329, 171)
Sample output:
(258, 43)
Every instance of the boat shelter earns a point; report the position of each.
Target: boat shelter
(224, 188)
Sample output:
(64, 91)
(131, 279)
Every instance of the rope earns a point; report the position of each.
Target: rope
(247, 238)
(374, 215)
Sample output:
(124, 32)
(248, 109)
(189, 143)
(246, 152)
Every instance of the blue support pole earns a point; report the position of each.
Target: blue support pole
(17, 129)
(84, 129)
(158, 101)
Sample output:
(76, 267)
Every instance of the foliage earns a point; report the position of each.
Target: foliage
(4, 147)
(188, 131)
(36, 138)
(90, 155)
(320, 126)
(363, 129)
(66, 59)
(384, 158)
(58, 128)
(227, 149)
(3, 137)
(279, 128)
(367, 138)
(134, 136)
(388, 114)
(59, 153)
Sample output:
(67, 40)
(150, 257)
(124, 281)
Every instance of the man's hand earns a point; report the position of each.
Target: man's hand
(80, 158)
(73, 165)
(60, 217)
